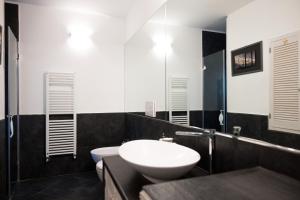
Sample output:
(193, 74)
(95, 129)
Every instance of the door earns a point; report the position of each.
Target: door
(214, 91)
(12, 110)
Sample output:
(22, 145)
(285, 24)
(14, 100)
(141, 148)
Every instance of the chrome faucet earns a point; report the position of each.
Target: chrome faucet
(210, 133)
(204, 132)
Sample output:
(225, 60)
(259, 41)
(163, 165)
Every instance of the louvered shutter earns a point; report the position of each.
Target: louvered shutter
(285, 69)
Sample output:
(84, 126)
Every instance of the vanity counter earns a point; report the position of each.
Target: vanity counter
(128, 181)
(249, 184)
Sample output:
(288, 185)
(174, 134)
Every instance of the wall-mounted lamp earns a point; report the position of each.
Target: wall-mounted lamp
(79, 37)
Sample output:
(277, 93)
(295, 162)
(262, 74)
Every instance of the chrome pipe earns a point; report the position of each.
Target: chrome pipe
(185, 133)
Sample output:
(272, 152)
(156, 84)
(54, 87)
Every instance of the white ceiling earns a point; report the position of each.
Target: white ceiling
(205, 14)
(115, 8)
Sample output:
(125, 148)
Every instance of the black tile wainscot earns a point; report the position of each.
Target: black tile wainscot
(234, 154)
(93, 131)
(256, 126)
(109, 129)
(229, 154)
(195, 116)
(3, 160)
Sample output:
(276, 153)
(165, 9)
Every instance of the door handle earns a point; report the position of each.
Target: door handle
(11, 125)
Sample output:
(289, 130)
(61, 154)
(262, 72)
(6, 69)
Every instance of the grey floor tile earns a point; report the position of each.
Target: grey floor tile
(82, 186)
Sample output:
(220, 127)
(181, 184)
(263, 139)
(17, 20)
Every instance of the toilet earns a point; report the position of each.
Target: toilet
(99, 153)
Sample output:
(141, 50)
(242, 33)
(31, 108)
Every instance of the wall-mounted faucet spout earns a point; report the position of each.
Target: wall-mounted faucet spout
(210, 133)
(203, 132)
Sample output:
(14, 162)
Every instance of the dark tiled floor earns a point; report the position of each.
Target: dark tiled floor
(81, 186)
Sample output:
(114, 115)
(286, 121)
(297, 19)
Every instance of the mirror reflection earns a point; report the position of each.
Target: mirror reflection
(145, 69)
(209, 64)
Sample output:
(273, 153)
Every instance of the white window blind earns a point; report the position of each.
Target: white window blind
(285, 84)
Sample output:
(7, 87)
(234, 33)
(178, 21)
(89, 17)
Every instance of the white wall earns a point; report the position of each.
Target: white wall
(145, 75)
(140, 12)
(144, 71)
(44, 47)
(2, 88)
(185, 60)
(260, 20)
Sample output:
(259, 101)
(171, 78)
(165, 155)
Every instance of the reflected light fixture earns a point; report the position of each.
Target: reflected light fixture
(162, 44)
(162, 41)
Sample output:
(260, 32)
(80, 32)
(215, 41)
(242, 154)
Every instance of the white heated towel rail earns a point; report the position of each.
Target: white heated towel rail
(178, 101)
(60, 115)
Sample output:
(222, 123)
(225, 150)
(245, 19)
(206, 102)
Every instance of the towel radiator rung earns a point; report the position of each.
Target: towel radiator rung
(61, 134)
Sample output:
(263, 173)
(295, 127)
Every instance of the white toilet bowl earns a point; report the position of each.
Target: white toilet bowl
(98, 154)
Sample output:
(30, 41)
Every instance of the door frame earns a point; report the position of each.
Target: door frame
(224, 128)
(15, 117)
(12, 22)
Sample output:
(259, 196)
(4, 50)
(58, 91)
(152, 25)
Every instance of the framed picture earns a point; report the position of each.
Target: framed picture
(1, 45)
(247, 59)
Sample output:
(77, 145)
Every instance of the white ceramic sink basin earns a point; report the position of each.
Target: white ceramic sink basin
(159, 161)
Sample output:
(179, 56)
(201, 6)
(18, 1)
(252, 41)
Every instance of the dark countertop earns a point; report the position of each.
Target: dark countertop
(249, 184)
(128, 181)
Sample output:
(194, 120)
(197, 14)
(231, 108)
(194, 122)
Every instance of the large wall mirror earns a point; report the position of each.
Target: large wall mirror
(179, 64)
(145, 68)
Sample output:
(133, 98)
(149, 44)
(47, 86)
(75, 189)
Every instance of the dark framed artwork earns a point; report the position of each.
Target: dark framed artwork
(247, 59)
(1, 45)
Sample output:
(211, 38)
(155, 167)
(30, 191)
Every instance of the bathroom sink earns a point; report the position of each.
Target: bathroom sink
(159, 161)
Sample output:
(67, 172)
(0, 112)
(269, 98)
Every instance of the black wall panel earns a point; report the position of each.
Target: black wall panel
(93, 131)
(256, 126)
